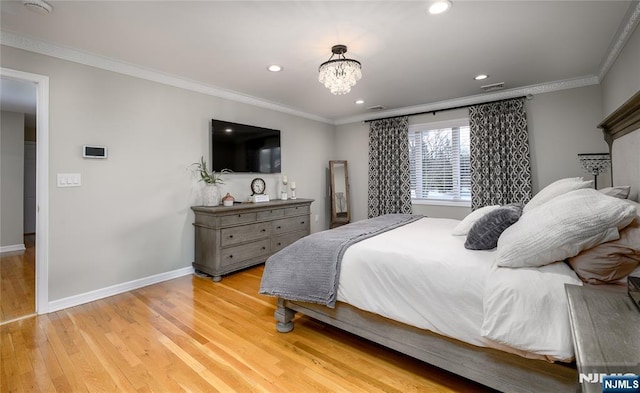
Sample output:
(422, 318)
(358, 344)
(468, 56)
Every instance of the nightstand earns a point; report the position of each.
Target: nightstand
(606, 332)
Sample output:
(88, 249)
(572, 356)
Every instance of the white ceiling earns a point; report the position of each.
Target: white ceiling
(409, 58)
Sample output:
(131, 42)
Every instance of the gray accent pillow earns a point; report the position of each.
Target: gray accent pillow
(484, 234)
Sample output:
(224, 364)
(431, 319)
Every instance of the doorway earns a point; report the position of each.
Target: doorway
(33, 248)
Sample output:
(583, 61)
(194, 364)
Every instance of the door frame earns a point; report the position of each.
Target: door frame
(42, 181)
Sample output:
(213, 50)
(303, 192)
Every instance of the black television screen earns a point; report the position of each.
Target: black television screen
(244, 148)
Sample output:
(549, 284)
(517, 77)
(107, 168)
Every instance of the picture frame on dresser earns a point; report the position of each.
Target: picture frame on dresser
(228, 239)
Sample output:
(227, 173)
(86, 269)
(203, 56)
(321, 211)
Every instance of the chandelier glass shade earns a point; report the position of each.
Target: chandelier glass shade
(340, 74)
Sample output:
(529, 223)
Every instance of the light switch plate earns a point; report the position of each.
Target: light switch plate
(69, 180)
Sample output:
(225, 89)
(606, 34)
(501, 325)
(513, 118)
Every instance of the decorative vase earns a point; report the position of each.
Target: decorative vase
(210, 195)
(228, 200)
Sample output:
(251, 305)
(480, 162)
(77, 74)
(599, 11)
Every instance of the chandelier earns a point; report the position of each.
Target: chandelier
(595, 164)
(339, 74)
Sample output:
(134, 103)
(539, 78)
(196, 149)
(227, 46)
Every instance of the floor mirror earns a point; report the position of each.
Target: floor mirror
(339, 193)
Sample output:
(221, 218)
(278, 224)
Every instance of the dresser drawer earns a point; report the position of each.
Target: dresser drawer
(239, 218)
(232, 238)
(290, 225)
(244, 233)
(268, 214)
(294, 211)
(280, 242)
(238, 254)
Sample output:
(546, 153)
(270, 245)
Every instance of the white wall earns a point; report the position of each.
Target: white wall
(623, 78)
(131, 217)
(11, 175)
(561, 125)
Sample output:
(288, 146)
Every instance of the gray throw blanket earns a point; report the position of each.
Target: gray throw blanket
(308, 269)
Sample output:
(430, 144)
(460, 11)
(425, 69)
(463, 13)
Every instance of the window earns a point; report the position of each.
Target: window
(439, 158)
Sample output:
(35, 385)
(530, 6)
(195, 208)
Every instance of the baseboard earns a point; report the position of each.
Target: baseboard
(14, 247)
(117, 289)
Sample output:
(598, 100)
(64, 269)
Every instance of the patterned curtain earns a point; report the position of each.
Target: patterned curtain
(389, 177)
(500, 165)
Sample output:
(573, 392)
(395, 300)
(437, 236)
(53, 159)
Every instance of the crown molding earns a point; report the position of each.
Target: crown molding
(89, 59)
(627, 26)
(477, 99)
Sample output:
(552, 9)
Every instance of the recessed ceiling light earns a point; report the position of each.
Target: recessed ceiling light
(228, 130)
(38, 6)
(275, 68)
(481, 77)
(359, 102)
(439, 6)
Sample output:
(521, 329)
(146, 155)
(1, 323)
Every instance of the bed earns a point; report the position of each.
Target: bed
(453, 328)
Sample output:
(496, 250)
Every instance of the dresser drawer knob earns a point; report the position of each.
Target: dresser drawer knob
(239, 215)
(263, 230)
(302, 223)
(278, 227)
(264, 248)
(230, 256)
(230, 236)
(279, 244)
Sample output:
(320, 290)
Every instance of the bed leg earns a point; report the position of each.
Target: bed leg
(283, 317)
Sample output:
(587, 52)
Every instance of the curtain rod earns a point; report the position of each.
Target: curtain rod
(528, 97)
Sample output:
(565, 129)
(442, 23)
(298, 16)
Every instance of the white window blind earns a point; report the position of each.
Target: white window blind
(440, 161)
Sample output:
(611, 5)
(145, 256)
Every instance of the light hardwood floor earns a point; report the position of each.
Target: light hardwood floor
(191, 334)
(18, 282)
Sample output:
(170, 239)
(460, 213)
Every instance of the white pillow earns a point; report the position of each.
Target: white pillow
(634, 204)
(462, 229)
(555, 189)
(621, 192)
(563, 227)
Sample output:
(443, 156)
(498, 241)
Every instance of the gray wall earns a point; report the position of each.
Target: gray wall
(12, 170)
(621, 83)
(561, 125)
(131, 217)
(623, 79)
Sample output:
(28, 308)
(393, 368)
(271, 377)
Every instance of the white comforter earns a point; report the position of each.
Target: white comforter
(421, 275)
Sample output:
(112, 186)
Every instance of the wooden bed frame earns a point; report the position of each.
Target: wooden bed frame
(491, 367)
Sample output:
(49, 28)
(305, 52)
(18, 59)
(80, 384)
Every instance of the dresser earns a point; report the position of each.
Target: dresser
(231, 238)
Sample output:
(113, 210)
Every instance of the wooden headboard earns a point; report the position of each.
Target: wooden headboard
(622, 133)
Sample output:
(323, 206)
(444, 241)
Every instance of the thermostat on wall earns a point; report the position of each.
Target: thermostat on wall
(89, 151)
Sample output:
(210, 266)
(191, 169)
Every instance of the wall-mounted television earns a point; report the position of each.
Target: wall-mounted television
(244, 148)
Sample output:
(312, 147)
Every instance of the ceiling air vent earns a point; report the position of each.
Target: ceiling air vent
(376, 108)
(493, 86)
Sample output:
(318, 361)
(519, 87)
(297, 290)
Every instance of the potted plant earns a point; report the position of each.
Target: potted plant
(211, 179)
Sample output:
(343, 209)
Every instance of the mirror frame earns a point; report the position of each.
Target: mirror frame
(335, 219)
